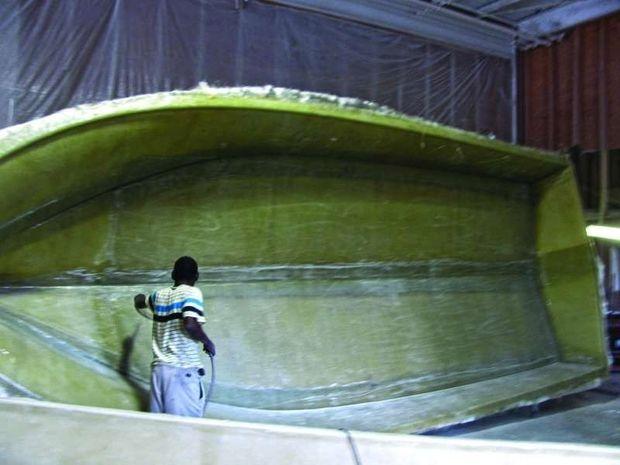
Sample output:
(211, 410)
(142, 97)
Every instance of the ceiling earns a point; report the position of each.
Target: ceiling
(536, 17)
(493, 27)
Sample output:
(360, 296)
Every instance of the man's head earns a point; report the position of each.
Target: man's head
(185, 271)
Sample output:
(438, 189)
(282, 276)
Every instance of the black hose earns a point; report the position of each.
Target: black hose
(354, 451)
(211, 384)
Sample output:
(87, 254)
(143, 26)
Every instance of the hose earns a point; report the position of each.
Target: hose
(211, 384)
(354, 451)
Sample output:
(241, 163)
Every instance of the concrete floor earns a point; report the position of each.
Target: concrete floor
(591, 417)
(45, 433)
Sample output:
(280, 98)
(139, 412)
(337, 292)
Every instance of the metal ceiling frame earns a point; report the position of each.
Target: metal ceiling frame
(425, 19)
(566, 16)
(458, 25)
(496, 5)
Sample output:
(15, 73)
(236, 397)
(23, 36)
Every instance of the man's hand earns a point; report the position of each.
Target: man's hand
(139, 301)
(209, 348)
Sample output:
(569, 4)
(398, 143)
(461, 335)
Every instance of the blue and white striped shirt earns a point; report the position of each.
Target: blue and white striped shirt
(171, 343)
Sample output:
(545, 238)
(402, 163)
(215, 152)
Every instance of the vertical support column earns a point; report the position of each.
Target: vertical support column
(452, 88)
(551, 98)
(602, 123)
(399, 96)
(513, 94)
(374, 74)
(477, 97)
(202, 74)
(524, 78)
(427, 81)
(10, 90)
(576, 107)
(239, 70)
(11, 111)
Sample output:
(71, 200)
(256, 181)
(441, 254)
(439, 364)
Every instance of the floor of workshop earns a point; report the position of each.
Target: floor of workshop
(590, 417)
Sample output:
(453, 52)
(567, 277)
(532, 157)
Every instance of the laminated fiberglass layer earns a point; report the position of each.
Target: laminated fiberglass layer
(360, 269)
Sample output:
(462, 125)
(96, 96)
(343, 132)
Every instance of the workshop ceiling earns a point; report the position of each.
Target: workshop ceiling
(536, 17)
(488, 26)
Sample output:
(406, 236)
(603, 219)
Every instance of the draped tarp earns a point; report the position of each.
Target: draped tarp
(61, 53)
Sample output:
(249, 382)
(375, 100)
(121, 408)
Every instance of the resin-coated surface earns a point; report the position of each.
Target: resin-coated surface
(360, 269)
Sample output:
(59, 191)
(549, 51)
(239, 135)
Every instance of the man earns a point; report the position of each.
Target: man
(177, 313)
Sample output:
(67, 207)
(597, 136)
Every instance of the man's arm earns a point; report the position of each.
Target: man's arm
(195, 331)
(143, 305)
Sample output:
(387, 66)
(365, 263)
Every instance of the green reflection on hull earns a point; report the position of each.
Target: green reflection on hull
(349, 259)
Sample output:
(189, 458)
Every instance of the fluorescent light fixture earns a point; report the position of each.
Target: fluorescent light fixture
(603, 232)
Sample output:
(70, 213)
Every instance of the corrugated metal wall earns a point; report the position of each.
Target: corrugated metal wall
(570, 91)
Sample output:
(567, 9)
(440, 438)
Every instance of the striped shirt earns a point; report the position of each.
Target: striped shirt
(171, 343)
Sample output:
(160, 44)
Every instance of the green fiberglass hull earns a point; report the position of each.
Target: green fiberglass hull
(361, 269)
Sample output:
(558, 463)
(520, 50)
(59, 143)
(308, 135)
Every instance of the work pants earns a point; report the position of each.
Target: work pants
(178, 391)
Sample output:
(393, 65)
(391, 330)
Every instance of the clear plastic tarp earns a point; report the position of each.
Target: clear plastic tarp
(67, 52)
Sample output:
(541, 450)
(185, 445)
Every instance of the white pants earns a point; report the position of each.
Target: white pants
(178, 391)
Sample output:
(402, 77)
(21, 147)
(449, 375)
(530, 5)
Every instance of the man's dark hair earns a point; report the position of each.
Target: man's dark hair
(185, 269)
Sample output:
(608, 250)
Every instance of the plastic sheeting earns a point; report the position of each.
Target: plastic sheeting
(67, 52)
